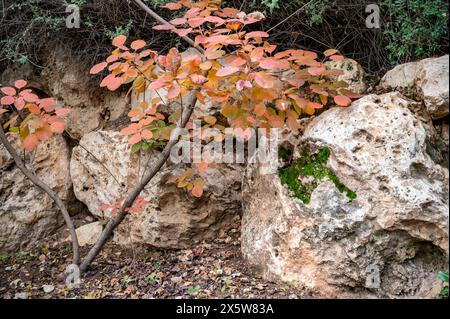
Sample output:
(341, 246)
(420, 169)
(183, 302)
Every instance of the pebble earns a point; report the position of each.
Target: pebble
(48, 288)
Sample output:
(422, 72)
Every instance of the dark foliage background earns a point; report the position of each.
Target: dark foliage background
(410, 29)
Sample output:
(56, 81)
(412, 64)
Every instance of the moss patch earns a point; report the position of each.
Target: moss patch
(304, 174)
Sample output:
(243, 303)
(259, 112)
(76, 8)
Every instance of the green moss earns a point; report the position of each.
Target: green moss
(312, 168)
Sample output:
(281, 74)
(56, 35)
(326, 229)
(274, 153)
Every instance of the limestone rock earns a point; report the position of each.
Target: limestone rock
(353, 74)
(427, 80)
(89, 233)
(27, 213)
(75, 88)
(389, 241)
(174, 218)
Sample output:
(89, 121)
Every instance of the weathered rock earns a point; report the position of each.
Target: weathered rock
(91, 105)
(27, 213)
(173, 218)
(427, 80)
(353, 74)
(89, 233)
(389, 241)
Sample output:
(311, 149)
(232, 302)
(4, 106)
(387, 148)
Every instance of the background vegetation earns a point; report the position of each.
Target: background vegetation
(410, 29)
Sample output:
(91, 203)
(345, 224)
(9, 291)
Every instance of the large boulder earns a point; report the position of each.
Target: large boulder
(426, 80)
(27, 214)
(361, 212)
(173, 218)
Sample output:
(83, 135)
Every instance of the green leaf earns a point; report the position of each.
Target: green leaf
(136, 147)
(443, 276)
(194, 289)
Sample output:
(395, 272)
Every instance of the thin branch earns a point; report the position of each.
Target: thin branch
(297, 11)
(53, 195)
(129, 201)
(154, 15)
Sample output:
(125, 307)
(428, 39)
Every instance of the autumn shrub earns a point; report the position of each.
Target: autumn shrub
(255, 83)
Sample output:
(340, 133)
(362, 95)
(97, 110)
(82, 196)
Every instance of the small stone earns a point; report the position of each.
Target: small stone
(21, 295)
(48, 288)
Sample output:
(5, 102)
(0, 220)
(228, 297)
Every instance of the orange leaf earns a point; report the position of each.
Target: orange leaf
(119, 40)
(146, 134)
(264, 80)
(337, 58)
(257, 34)
(330, 52)
(62, 111)
(342, 100)
(47, 103)
(260, 109)
(57, 127)
(173, 92)
(316, 70)
(138, 44)
(227, 71)
(173, 6)
(98, 68)
(162, 27)
(30, 142)
(182, 32)
(136, 138)
(197, 190)
(202, 166)
(178, 21)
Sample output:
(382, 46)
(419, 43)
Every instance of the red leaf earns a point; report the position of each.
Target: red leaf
(227, 71)
(342, 100)
(119, 40)
(8, 90)
(98, 68)
(20, 84)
